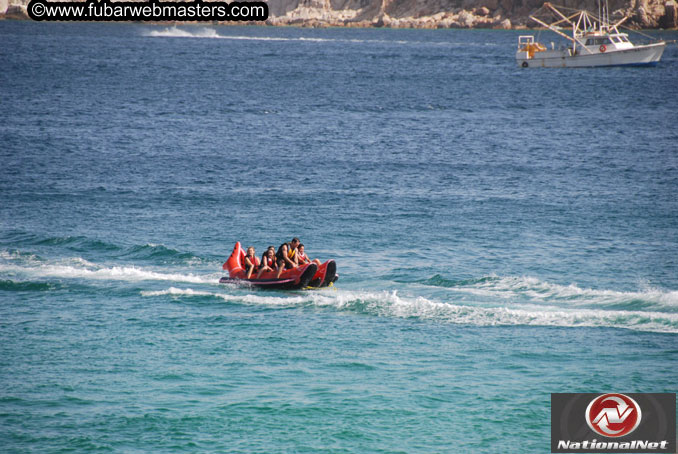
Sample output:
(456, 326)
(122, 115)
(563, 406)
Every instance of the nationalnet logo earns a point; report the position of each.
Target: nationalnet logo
(614, 422)
(613, 415)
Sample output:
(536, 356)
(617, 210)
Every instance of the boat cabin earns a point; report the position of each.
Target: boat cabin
(606, 43)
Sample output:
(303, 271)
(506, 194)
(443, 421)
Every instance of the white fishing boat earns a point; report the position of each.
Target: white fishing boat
(594, 42)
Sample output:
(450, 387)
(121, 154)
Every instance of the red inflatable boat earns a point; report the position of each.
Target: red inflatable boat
(304, 276)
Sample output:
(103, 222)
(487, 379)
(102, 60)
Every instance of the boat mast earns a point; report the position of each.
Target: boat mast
(575, 25)
(607, 16)
(550, 27)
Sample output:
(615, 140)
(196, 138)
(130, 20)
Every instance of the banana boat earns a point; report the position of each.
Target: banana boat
(301, 277)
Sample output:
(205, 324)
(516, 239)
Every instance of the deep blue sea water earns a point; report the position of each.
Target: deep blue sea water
(501, 234)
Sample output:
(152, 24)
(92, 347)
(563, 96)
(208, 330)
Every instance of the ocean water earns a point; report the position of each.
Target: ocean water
(500, 234)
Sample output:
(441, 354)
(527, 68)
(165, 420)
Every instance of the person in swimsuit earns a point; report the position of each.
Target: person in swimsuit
(283, 259)
(251, 262)
(292, 252)
(302, 258)
(268, 261)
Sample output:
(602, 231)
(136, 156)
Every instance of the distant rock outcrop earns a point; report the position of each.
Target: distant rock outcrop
(13, 11)
(670, 17)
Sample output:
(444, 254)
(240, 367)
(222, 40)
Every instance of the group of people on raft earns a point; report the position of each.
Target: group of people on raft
(289, 255)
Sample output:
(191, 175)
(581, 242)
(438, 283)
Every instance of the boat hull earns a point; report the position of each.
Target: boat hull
(325, 275)
(290, 283)
(647, 55)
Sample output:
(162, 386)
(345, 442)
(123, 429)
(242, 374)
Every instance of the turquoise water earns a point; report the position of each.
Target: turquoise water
(501, 234)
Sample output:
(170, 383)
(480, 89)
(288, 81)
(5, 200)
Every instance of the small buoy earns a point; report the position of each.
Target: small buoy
(602, 48)
(525, 65)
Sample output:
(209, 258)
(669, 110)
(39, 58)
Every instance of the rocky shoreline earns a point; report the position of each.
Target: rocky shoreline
(431, 14)
(498, 14)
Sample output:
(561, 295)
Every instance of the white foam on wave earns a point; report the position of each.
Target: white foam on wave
(209, 33)
(182, 292)
(79, 262)
(252, 298)
(87, 270)
(15, 255)
(390, 304)
(538, 291)
(175, 32)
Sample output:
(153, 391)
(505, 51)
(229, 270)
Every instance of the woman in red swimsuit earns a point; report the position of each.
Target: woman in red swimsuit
(268, 261)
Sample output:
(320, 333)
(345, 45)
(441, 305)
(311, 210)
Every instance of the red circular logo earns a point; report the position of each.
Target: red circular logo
(613, 415)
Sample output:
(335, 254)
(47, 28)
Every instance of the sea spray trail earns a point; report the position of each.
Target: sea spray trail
(530, 289)
(493, 289)
(499, 292)
(30, 266)
(122, 273)
(210, 33)
(483, 301)
(390, 304)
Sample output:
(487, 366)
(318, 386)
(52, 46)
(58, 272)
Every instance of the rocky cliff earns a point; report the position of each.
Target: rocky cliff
(434, 13)
(455, 13)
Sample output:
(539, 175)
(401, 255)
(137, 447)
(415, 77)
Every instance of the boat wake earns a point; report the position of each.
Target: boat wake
(204, 32)
(22, 267)
(392, 304)
(525, 289)
(210, 33)
(485, 301)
